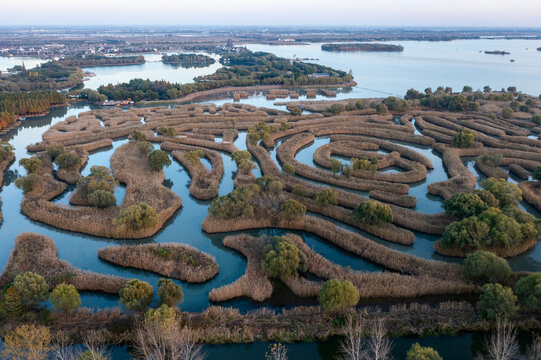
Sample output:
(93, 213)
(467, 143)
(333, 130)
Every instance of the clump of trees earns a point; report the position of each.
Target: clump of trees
(326, 197)
(55, 150)
(497, 302)
(158, 159)
(137, 217)
(335, 295)
(365, 164)
(31, 165)
(98, 187)
(166, 131)
(443, 99)
(261, 131)
(65, 298)
(136, 295)
(464, 138)
(195, 156)
(489, 219)
(292, 210)
(288, 169)
(282, 259)
(169, 293)
(396, 104)
(5, 150)
(28, 103)
(67, 161)
(418, 352)
(528, 290)
(484, 266)
(188, 59)
(373, 213)
(244, 161)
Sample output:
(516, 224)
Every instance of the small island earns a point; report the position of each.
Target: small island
(497, 52)
(539, 49)
(188, 59)
(101, 60)
(370, 47)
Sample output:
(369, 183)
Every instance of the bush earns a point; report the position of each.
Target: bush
(346, 170)
(506, 193)
(55, 150)
(299, 190)
(486, 267)
(31, 288)
(170, 294)
(336, 108)
(67, 161)
(166, 131)
(463, 205)
(508, 113)
(144, 147)
(292, 210)
(163, 316)
(100, 178)
(136, 295)
(497, 302)
(241, 155)
(27, 183)
(326, 197)
(91, 355)
(235, 204)
(528, 290)
(295, 111)
(136, 217)
(102, 199)
(28, 342)
(418, 352)
(288, 169)
(157, 159)
(487, 197)
(194, 156)
(138, 136)
(65, 298)
(536, 119)
(467, 89)
(5, 150)
(536, 175)
(359, 104)
(281, 259)
(382, 109)
(31, 165)
(395, 104)
(464, 138)
(336, 295)
(336, 165)
(373, 212)
(468, 234)
(246, 165)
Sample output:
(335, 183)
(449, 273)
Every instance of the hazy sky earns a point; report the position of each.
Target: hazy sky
(519, 13)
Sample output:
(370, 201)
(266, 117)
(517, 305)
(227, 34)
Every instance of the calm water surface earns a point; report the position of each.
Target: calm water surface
(421, 65)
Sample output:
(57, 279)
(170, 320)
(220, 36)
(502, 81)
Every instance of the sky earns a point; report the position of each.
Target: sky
(478, 13)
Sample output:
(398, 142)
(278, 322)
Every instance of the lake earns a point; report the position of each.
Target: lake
(422, 64)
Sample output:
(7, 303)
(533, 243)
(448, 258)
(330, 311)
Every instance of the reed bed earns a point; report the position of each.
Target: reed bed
(531, 193)
(490, 170)
(37, 253)
(378, 133)
(460, 178)
(519, 171)
(174, 260)
(406, 201)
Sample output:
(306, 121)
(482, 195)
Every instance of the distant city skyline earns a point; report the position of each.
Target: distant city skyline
(476, 13)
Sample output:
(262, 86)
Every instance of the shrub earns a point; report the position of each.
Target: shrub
(288, 169)
(508, 113)
(235, 204)
(395, 104)
(55, 150)
(487, 197)
(91, 355)
(261, 131)
(346, 170)
(102, 199)
(246, 165)
(536, 119)
(337, 108)
(336, 165)
(166, 131)
(144, 147)
(31, 165)
(536, 175)
(157, 159)
(284, 125)
(100, 178)
(382, 109)
(467, 89)
(67, 161)
(295, 111)
(497, 302)
(281, 258)
(464, 138)
(528, 290)
(359, 104)
(486, 267)
(418, 352)
(506, 193)
(137, 217)
(240, 155)
(31, 288)
(463, 205)
(292, 210)
(299, 190)
(194, 156)
(27, 183)
(170, 294)
(65, 298)
(468, 233)
(336, 295)
(514, 105)
(28, 342)
(138, 136)
(5, 150)
(162, 316)
(373, 212)
(326, 197)
(136, 295)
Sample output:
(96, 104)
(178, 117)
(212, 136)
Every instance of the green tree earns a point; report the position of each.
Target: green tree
(31, 165)
(467, 89)
(463, 205)
(136, 217)
(336, 165)
(157, 159)
(468, 234)
(281, 259)
(418, 352)
(288, 169)
(347, 170)
(382, 109)
(136, 295)
(336, 295)
(487, 197)
(292, 210)
(464, 138)
(506, 193)
(65, 298)
(235, 204)
(497, 302)
(27, 183)
(326, 197)
(169, 293)
(100, 178)
(299, 191)
(337, 108)
(195, 156)
(486, 267)
(55, 150)
(295, 111)
(102, 199)
(31, 288)
(240, 155)
(536, 175)
(373, 212)
(67, 161)
(528, 290)
(5, 150)
(166, 131)
(508, 113)
(165, 316)
(138, 136)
